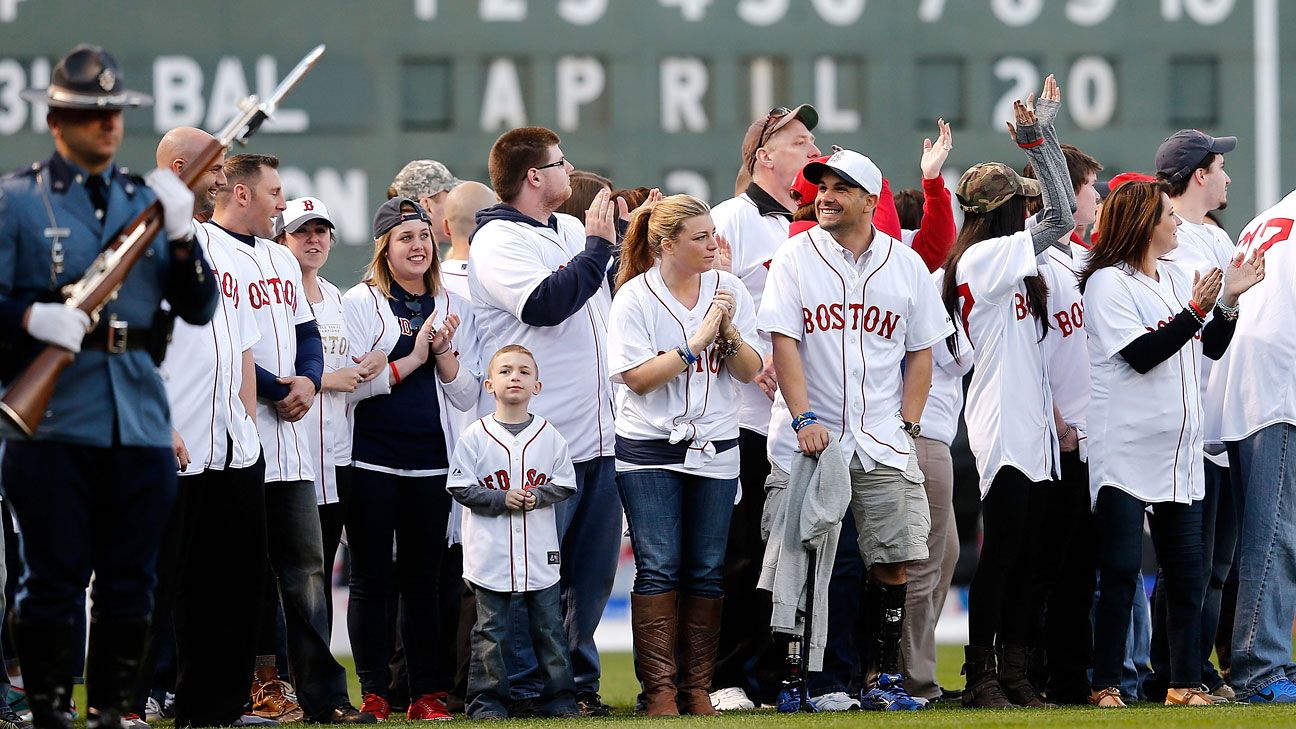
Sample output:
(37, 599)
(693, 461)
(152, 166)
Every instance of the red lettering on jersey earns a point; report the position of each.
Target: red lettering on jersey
(1021, 305)
(308, 205)
(257, 296)
(1077, 314)
(1063, 319)
(229, 287)
(502, 480)
(965, 294)
(838, 321)
(274, 286)
(1281, 227)
(832, 317)
(534, 478)
(809, 319)
(857, 310)
(822, 319)
(290, 295)
(767, 263)
(889, 323)
(406, 329)
(871, 318)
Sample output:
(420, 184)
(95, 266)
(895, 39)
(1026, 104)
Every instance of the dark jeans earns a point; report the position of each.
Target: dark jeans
(1063, 584)
(222, 524)
(1012, 516)
(589, 525)
(746, 658)
(678, 528)
(1176, 536)
(412, 510)
(83, 510)
(1219, 536)
(488, 678)
(845, 654)
(297, 559)
(455, 626)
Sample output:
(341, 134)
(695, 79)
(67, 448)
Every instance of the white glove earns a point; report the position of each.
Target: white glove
(177, 203)
(59, 324)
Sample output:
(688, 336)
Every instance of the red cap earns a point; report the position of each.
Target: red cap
(803, 190)
(1125, 177)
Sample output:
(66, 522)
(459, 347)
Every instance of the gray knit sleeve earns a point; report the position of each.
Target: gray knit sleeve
(1041, 146)
(481, 500)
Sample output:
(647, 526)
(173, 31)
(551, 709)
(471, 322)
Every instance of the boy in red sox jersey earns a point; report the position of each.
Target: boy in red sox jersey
(508, 471)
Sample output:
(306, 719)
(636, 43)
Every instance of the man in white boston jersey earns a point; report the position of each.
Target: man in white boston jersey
(1251, 407)
(289, 363)
(755, 223)
(219, 515)
(1191, 166)
(539, 279)
(460, 222)
(847, 306)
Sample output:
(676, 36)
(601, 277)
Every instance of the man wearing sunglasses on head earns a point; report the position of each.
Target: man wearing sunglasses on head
(755, 223)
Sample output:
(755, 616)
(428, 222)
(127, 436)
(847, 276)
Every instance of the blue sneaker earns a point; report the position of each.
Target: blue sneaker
(890, 695)
(1282, 691)
(790, 699)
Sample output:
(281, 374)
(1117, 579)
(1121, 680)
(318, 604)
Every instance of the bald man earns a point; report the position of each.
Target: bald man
(459, 223)
(219, 514)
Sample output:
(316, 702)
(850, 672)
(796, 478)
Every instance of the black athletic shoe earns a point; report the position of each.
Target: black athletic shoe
(523, 709)
(591, 704)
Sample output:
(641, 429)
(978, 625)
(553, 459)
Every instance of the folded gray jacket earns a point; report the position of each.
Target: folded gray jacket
(804, 516)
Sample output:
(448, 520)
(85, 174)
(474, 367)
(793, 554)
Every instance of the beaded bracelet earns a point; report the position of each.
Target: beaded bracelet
(1201, 319)
(729, 347)
(1229, 312)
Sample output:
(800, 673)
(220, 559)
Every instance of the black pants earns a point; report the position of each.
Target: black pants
(1176, 535)
(745, 658)
(414, 511)
(332, 518)
(1011, 516)
(453, 592)
(219, 589)
(1219, 537)
(1063, 584)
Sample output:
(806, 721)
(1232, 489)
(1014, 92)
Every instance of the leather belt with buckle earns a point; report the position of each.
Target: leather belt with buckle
(115, 337)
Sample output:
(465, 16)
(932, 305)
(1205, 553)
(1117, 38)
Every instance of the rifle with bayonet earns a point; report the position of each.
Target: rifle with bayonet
(24, 402)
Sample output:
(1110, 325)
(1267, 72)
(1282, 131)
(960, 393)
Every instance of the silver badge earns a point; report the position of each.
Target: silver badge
(107, 80)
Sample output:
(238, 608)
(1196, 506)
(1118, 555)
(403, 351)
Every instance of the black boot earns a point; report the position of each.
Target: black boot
(983, 689)
(45, 653)
(113, 663)
(1014, 661)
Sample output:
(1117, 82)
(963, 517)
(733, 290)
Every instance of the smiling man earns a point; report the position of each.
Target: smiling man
(847, 306)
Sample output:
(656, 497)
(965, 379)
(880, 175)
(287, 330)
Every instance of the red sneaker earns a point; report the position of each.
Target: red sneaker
(376, 705)
(430, 707)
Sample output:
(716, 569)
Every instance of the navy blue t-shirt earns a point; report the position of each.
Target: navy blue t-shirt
(402, 430)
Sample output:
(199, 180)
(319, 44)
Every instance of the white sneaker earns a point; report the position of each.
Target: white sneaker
(133, 721)
(835, 701)
(731, 699)
(152, 709)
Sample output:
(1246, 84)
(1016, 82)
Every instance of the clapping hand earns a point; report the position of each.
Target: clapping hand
(1242, 274)
(724, 254)
(1205, 289)
(600, 218)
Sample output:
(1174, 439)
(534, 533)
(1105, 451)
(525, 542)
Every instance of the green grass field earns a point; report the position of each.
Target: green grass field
(620, 688)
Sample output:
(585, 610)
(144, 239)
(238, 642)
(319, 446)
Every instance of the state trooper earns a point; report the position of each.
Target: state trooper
(92, 488)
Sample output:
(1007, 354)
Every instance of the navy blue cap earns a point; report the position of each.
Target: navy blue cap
(1182, 151)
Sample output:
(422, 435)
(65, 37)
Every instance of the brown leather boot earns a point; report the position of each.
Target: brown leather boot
(698, 644)
(983, 690)
(653, 620)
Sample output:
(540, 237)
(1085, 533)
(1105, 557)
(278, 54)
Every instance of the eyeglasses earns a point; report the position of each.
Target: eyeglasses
(561, 161)
(772, 116)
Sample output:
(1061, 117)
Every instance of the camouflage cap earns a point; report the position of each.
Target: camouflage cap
(988, 185)
(423, 177)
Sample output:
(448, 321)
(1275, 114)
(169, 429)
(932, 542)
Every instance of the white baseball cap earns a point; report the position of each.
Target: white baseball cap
(298, 211)
(851, 166)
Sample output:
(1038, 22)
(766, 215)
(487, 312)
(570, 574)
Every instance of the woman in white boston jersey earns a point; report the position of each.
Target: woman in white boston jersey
(993, 287)
(681, 339)
(306, 229)
(400, 451)
(1146, 343)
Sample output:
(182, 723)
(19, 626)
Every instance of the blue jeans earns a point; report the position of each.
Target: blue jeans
(1263, 471)
(488, 677)
(679, 525)
(589, 525)
(297, 561)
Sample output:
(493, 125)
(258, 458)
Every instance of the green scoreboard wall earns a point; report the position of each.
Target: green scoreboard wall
(658, 92)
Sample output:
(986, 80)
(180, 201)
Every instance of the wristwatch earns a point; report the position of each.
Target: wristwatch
(913, 429)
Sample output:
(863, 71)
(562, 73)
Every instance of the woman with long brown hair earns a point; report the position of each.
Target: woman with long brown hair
(994, 290)
(681, 337)
(1149, 325)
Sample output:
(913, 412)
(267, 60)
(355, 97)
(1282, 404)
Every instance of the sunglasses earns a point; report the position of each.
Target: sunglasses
(415, 310)
(772, 116)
